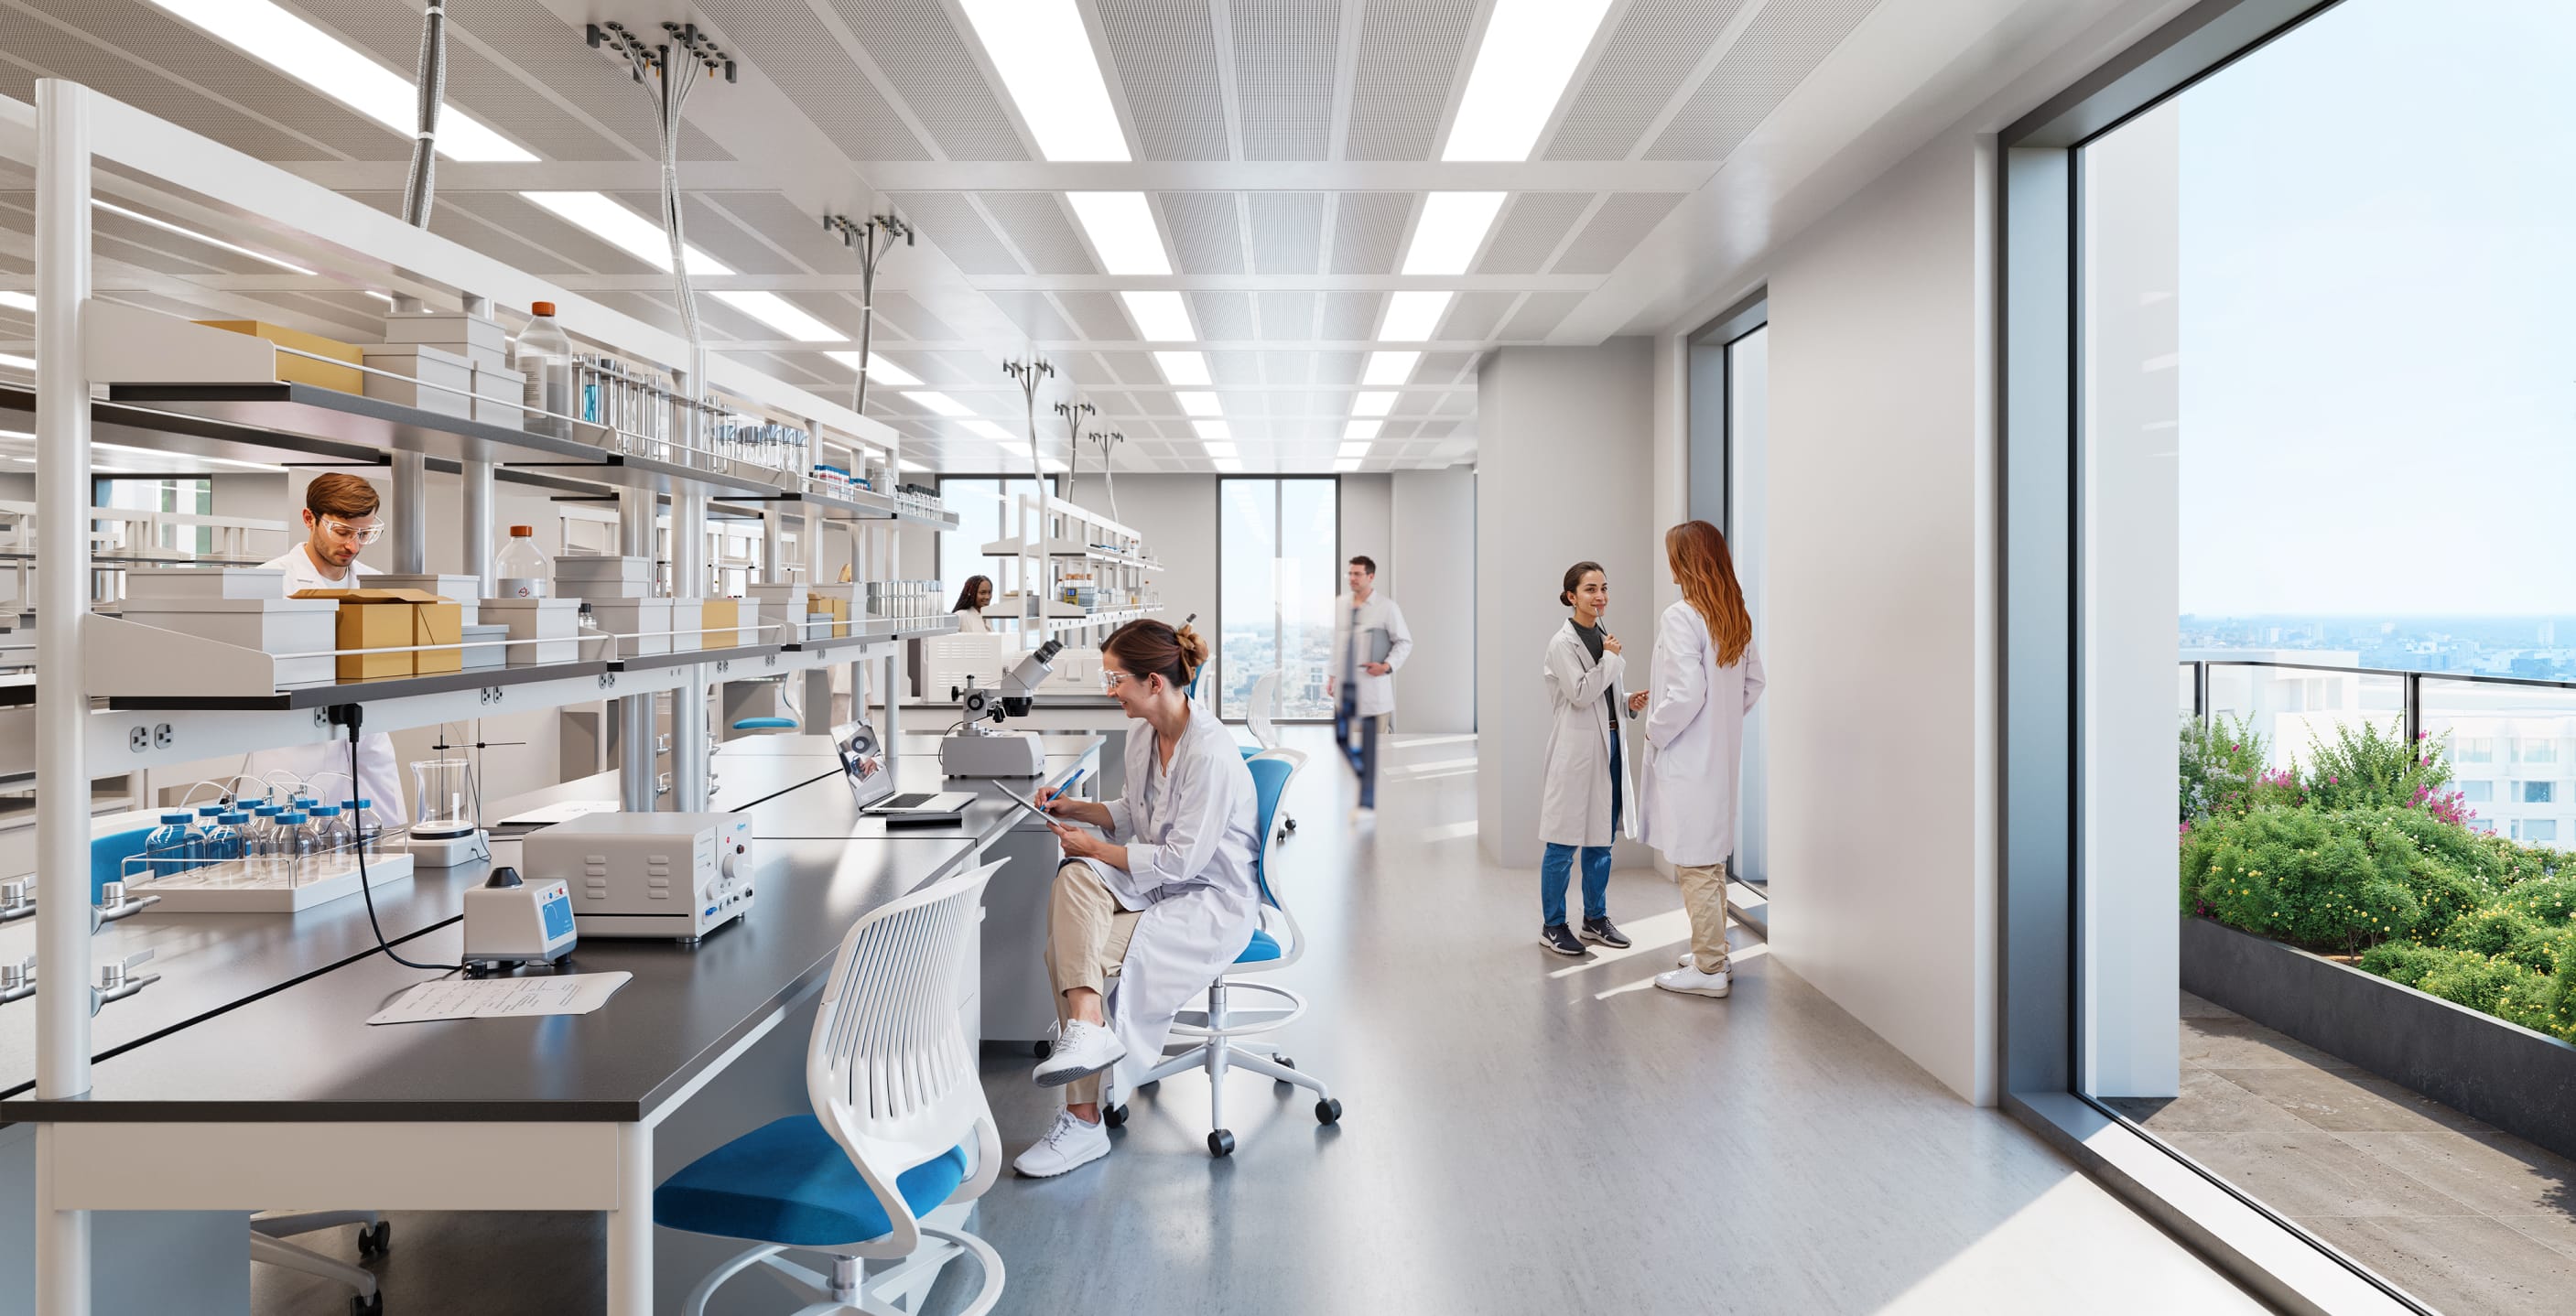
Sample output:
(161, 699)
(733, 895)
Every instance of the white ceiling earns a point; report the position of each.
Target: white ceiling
(1285, 145)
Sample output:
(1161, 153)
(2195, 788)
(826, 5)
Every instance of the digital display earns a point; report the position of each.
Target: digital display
(558, 914)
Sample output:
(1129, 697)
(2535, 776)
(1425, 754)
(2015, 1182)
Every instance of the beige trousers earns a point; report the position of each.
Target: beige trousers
(1087, 936)
(1704, 899)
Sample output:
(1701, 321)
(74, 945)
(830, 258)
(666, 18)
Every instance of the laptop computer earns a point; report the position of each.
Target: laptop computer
(871, 781)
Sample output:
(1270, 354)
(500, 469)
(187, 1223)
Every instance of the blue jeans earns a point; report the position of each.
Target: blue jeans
(1556, 867)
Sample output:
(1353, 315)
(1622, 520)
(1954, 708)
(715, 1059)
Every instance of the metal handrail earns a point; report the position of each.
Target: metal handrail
(2410, 684)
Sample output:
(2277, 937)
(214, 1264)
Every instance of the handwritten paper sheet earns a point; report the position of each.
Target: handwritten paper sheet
(502, 998)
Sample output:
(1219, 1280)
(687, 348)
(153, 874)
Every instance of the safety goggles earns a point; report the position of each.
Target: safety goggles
(354, 532)
(1109, 680)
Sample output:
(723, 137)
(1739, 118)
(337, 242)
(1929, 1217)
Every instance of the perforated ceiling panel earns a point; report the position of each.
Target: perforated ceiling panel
(1350, 316)
(1781, 46)
(1287, 367)
(945, 218)
(1368, 231)
(1165, 54)
(912, 319)
(1287, 231)
(1341, 368)
(1288, 316)
(1410, 53)
(1222, 316)
(1540, 314)
(1131, 367)
(719, 235)
(475, 82)
(791, 229)
(1207, 231)
(528, 224)
(1530, 230)
(552, 55)
(1097, 315)
(1035, 223)
(1152, 404)
(1474, 316)
(1235, 369)
(1615, 230)
(1283, 76)
(923, 55)
(805, 57)
(1657, 44)
(1033, 313)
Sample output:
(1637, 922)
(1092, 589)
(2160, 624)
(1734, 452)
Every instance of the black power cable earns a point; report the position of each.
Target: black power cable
(350, 715)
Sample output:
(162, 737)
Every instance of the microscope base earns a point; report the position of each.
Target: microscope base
(1004, 754)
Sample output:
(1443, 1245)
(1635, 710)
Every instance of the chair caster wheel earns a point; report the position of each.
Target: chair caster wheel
(1043, 1049)
(376, 1240)
(1328, 1111)
(1115, 1116)
(1221, 1143)
(374, 1306)
(1292, 825)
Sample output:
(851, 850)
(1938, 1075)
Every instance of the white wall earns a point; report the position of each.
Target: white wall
(1368, 526)
(1431, 558)
(1565, 472)
(1176, 514)
(1882, 594)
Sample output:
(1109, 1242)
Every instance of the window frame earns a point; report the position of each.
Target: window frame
(1216, 647)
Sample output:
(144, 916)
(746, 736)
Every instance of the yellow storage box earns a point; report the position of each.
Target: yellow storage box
(295, 369)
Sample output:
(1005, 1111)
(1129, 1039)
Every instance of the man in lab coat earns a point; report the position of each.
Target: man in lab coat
(341, 517)
(1377, 616)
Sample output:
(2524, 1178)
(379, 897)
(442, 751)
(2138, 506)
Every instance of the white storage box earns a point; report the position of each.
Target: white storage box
(204, 583)
(588, 568)
(551, 622)
(274, 626)
(500, 396)
(687, 617)
(430, 379)
(479, 341)
(480, 652)
(644, 624)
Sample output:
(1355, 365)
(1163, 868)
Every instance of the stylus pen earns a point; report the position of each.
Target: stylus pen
(1067, 787)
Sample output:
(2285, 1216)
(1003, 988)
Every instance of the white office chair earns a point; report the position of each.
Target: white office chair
(1277, 942)
(268, 1245)
(1265, 733)
(896, 1101)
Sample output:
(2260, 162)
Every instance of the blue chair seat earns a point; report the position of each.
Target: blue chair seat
(787, 1182)
(1249, 751)
(764, 724)
(1263, 947)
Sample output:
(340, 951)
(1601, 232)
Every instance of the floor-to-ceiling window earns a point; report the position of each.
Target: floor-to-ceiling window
(2305, 607)
(1729, 366)
(1276, 588)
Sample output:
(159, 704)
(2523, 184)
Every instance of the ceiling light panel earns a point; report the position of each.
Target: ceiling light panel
(1529, 52)
(596, 214)
(1350, 451)
(782, 315)
(1211, 429)
(1043, 54)
(989, 430)
(938, 403)
(324, 62)
(1411, 316)
(1453, 226)
(1188, 369)
(18, 301)
(1122, 231)
(1197, 403)
(1362, 429)
(1222, 451)
(168, 227)
(1346, 465)
(1373, 404)
(1387, 369)
(879, 369)
(1159, 315)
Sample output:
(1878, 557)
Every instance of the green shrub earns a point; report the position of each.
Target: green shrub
(2492, 931)
(2221, 762)
(2502, 988)
(2306, 878)
(2369, 767)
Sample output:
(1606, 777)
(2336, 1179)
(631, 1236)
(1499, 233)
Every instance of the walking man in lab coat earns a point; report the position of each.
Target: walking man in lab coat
(1384, 645)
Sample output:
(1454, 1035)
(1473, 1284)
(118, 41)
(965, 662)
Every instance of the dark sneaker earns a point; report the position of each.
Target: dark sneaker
(1559, 938)
(1604, 931)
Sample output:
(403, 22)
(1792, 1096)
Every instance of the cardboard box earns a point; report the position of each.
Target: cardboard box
(296, 369)
(394, 619)
(434, 381)
(554, 623)
(721, 620)
(455, 589)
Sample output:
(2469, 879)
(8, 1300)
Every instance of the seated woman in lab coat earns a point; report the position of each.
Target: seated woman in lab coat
(971, 602)
(1164, 902)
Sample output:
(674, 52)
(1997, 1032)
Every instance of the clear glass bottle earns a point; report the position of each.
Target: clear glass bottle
(330, 830)
(223, 843)
(544, 353)
(520, 571)
(366, 826)
(172, 846)
(259, 840)
(294, 848)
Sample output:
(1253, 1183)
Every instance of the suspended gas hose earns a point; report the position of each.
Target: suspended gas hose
(1073, 412)
(675, 64)
(864, 239)
(1031, 374)
(421, 185)
(1109, 473)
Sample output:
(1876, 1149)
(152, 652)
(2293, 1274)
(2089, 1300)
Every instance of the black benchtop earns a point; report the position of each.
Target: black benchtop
(307, 1054)
(826, 809)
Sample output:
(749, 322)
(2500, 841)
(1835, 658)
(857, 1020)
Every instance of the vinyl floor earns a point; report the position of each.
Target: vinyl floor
(1521, 1133)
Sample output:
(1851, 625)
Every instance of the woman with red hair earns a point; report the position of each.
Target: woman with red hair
(1706, 677)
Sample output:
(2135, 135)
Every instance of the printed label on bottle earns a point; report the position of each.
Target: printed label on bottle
(521, 587)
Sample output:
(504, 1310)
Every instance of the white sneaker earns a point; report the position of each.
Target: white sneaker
(1069, 1142)
(1692, 982)
(1081, 1050)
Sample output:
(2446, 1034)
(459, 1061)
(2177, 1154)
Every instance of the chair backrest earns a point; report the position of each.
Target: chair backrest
(1265, 699)
(888, 1067)
(107, 856)
(1272, 770)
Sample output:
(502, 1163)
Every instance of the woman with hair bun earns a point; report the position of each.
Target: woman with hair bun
(1584, 794)
(1166, 899)
(1707, 676)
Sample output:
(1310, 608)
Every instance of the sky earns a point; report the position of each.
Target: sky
(2378, 316)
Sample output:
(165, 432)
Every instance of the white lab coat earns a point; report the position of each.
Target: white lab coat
(970, 621)
(1695, 737)
(325, 767)
(1574, 793)
(1190, 833)
(1376, 694)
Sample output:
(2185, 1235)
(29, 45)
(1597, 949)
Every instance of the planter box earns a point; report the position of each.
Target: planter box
(2475, 1063)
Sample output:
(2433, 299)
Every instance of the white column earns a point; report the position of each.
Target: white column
(689, 701)
(637, 510)
(630, 1226)
(478, 525)
(410, 513)
(62, 695)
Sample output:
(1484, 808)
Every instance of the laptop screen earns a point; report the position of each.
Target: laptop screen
(871, 778)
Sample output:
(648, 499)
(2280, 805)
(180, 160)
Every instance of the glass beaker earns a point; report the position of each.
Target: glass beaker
(445, 792)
